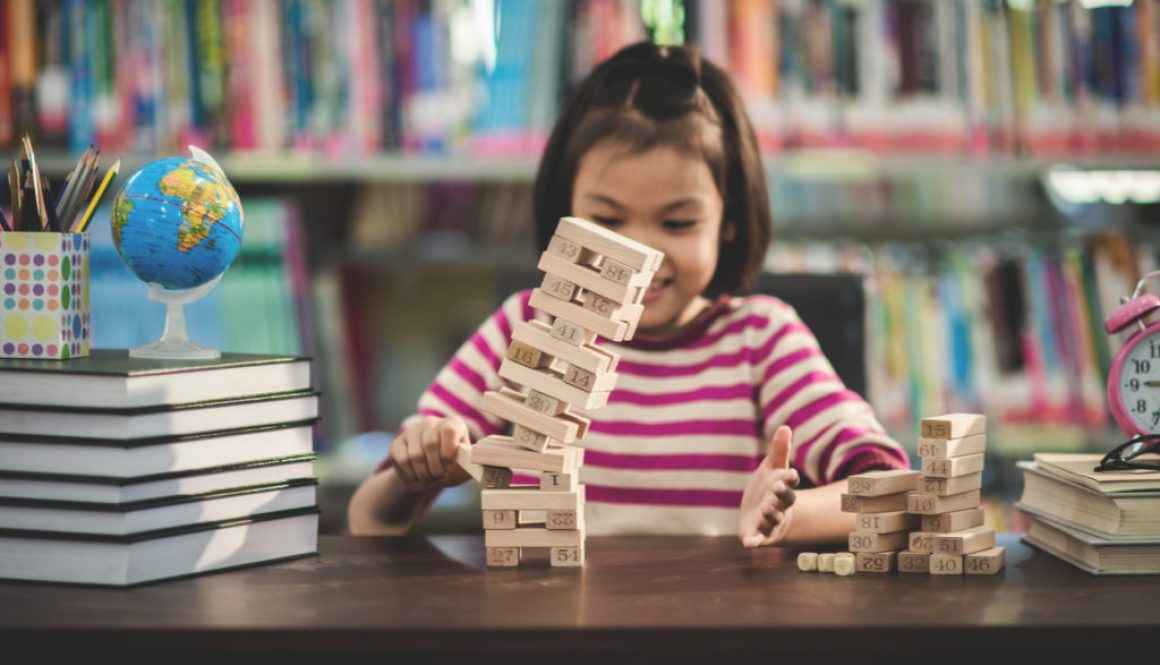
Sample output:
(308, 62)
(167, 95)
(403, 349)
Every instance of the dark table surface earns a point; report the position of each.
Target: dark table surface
(433, 599)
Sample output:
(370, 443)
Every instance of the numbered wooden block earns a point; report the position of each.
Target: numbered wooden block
(954, 521)
(826, 562)
(589, 382)
(844, 564)
(531, 498)
(921, 542)
(529, 438)
(528, 356)
(563, 519)
(499, 519)
(866, 541)
(874, 562)
(953, 426)
(566, 557)
(503, 557)
(538, 335)
(508, 405)
(940, 564)
(874, 504)
(987, 562)
(572, 333)
(550, 384)
(558, 287)
(878, 483)
(578, 316)
(570, 251)
(928, 504)
(967, 541)
(500, 451)
(463, 458)
(914, 562)
(533, 537)
(495, 477)
(895, 520)
(952, 467)
(617, 272)
(590, 279)
(545, 404)
(635, 255)
(947, 486)
(807, 562)
(944, 448)
(559, 482)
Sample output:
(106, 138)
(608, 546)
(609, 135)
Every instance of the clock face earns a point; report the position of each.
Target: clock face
(1135, 393)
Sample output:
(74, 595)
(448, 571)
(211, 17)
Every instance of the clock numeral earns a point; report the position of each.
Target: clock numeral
(1141, 406)
(1154, 348)
(1134, 385)
(1141, 366)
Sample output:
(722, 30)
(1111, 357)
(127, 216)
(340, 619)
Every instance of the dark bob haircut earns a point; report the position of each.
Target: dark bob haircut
(646, 96)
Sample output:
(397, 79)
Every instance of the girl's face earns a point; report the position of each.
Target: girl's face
(668, 201)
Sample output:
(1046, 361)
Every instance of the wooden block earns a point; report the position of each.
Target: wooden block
(807, 562)
(551, 385)
(616, 272)
(921, 542)
(559, 482)
(638, 295)
(947, 486)
(591, 236)
(566, 557)
(940, 564)
(608, 308)
(529, 439)
(874, 504)
(564, 519)
(495, 477)
(500, 451)
(895, 520)
(914, 562)
(538, 334)
(878, 483)
(844, 564)
(953, 425)
(571, 251)
(589, 382)
(572, 333)
(463, 458)
(868, 541)
(944, 448)
(987, 562)
(499, 519)
(952, 467)
(578, 316)
(558, 287)
(528, 356)
(591, 280)
(507, 404)
(503, 557)
(953, 521)
(533, 537)
(826, 562)
(928, 504)
(531, 498)
(874, 562)
(967, 541)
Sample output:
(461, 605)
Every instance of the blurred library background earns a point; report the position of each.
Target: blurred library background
(990, 168)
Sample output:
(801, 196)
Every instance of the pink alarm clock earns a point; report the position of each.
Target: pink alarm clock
(1134, 380)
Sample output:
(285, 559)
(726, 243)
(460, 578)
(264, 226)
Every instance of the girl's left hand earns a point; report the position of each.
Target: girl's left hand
(766, 505)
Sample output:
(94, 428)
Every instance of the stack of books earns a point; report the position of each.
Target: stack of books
(1105, 522)
(120, 471)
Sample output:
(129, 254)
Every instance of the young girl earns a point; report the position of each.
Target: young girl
(696, 437)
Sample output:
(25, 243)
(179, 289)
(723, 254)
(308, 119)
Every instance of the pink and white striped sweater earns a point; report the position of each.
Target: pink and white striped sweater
(691, 416)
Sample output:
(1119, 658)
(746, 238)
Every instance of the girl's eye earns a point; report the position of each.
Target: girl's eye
(679, 224)
(606, 221)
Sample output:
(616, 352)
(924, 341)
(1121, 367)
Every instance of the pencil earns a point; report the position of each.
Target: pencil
(70, 190)
(109, 175)
(37, 192)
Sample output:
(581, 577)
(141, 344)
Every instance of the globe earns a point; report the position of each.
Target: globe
(177, 222)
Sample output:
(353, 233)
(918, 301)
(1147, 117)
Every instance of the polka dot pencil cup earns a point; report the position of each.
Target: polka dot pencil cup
(44, 295)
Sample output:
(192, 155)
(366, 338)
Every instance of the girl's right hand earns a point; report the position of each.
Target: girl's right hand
(425, 453)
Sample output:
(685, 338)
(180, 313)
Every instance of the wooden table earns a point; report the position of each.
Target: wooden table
(433, 600)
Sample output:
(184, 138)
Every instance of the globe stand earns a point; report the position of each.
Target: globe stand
(174, 343)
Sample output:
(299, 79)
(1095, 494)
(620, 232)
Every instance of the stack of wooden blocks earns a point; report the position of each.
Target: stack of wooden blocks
(594, 285)
(883, 524)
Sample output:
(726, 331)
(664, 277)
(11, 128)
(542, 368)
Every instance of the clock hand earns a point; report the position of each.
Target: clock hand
(1152, 384)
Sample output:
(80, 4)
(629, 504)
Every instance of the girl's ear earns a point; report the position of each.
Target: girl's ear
(728, 231)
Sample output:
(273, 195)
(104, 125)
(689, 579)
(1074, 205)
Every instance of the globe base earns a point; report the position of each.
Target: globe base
(174, 343)
(175, 349)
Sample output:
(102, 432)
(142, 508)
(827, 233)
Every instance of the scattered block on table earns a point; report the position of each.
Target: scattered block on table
(571, 251)
(987, 562)
(953, 426)
(953, 521)
(495, 477)
(967, 541)
(527, 355)
(874, 504)
(867, 541)
(587, 320)
(530, 439)
(499, 519)
(807, 562)
(879, 483)
(948, 486)
(534, 537)
(920, 542)
(572, 333)
(944, 448)
(500, 451)
(844, 564)
(914, 562)
(637, 256)
(538, 334)
(592, 281)
(895, 520)
(940, 564)
(952, 467)
(503, 557)
(874, 562)
(826, 562)
(559, 482)
(559, 287)
(531, 498)
(508, 405)
(566, 557)
(565, 519)
(545, 383)
(929, 504)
